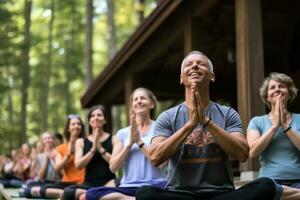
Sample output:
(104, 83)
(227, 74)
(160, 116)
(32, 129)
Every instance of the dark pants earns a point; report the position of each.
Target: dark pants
(70, 191)
(260, 189)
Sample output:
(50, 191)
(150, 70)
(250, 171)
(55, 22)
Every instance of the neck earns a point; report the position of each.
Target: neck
(143, 120)
(47, 148)
(100, 132)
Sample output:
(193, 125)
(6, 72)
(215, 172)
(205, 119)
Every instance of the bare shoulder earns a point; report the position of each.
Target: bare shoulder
(79, 142)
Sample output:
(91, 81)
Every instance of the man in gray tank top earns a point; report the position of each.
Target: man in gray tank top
(196, 138)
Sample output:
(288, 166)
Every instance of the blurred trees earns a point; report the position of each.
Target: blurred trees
(43, 59)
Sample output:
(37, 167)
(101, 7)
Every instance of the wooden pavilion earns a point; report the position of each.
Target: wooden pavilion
(245, 39)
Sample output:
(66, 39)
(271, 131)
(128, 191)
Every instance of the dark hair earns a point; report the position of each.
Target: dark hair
(97, 107)
(150, 95)
(67, 131)
(59, 137)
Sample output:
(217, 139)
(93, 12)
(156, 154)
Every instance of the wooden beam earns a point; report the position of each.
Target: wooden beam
(128, 91)
(143, 32)
(250, 63)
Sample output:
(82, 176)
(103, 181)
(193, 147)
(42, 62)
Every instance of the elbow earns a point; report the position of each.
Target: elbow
(113, 168)
(57, 168)
(155, 159)
(78, 165)
(244, 154)
(243, 157)
(252, 154)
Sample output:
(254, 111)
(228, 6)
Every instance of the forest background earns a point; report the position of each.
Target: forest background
(50, 51)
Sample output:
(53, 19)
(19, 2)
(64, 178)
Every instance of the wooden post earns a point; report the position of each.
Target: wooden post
(250, 68)
(190, 38)
(109, 121)
(128, 90)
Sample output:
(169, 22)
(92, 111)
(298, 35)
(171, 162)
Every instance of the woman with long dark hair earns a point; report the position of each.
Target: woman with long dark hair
(93, 153)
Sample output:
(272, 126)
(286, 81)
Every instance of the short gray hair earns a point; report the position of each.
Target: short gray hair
(210, 65)
(282, 78)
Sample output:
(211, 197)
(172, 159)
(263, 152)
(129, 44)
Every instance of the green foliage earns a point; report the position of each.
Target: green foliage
(68, 68)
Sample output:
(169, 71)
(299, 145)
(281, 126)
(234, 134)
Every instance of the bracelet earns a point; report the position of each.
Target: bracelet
(141, 145)
(206, 123)
(287, 129)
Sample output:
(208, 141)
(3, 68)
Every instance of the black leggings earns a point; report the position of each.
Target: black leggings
(70, 191)
(58, 185)
(260, 189)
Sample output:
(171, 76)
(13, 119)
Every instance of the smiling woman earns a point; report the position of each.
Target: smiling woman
(93, 154)
(64, 160)
(131, 151)
(275, 137)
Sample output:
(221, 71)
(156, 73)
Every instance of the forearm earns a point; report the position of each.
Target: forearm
(117, 161)
(294, 137)
(105, 154)
(42, 171)
(85, 160)
(235, 146)
(162, 151)
(59, 165)
(258, 146)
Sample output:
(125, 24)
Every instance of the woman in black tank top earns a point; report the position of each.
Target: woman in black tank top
(93, 153)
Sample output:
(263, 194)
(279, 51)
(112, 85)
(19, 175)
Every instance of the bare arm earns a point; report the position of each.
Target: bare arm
(61, 161)
(234, 144)
(119, 154)
(43, 169)
(163, 148)
(105, 154)
(259, 143)
(81, 160)
(294, 137)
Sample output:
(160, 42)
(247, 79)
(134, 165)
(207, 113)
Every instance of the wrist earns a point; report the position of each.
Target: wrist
(103, 152)
(206, 122)
(286, 129)
(190, 126)
(141, 144)
(93, 151)
(274, 127)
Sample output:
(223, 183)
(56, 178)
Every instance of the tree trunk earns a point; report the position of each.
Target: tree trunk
(115, 110)
(47, 75)
(25, 71)
(10, 106)
(111, 29)
(69, 53)
(88, 46)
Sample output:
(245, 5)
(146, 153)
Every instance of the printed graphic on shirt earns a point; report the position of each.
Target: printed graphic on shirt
(200, 138)
(201, 147)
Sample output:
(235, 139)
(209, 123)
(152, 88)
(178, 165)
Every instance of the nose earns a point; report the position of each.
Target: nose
(195, 65)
